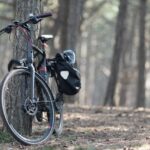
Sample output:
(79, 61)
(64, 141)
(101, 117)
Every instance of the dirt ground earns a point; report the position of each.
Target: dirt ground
(98, 129)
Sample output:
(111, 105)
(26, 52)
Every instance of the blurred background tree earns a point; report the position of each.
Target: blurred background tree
(111, 40)
(118, 48)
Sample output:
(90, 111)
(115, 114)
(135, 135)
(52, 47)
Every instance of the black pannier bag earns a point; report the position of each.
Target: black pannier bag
(67, 76)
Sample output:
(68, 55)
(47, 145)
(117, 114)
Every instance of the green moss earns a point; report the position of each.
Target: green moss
(5, 137)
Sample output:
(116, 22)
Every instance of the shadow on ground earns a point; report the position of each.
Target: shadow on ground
(98, 129)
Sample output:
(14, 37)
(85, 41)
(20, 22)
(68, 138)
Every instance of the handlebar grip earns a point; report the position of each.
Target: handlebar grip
(44, 15)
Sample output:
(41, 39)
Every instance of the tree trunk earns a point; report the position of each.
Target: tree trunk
(88, 68)
(141, 56)
(67, 25)
(126, 60)
(71, 15)
(118, 47)
(23, 9)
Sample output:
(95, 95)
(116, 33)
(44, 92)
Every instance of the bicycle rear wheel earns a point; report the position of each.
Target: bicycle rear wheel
(20, 113)
(58, 105)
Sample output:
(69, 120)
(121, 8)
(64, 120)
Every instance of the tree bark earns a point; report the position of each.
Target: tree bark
(71, 20)
(23, 9)
(141, 56)
(118, 47)
(126, 60)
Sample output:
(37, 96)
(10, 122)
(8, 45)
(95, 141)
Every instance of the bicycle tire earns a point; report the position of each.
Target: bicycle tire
(29, 130)
(58, 127)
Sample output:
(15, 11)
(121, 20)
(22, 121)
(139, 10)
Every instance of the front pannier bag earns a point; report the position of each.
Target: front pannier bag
(68, 77)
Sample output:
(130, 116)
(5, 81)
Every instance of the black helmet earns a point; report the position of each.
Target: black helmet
(69, 56)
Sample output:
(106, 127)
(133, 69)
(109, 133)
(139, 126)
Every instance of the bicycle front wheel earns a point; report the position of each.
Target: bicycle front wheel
(20, 112)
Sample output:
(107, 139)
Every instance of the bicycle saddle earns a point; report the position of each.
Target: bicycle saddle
(44, 38)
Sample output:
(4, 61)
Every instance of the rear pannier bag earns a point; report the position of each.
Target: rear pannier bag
(67, 76)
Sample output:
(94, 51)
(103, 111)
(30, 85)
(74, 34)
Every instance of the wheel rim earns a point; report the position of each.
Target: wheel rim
(58, 127)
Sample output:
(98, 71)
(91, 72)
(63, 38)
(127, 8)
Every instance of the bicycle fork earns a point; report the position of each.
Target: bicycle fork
(32, 70)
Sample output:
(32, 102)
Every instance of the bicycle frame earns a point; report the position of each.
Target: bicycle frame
(25, 28)
(30, 59)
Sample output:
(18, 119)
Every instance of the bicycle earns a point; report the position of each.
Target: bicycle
(29, 95)
(25, 95)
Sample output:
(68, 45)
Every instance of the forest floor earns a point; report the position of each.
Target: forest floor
(98, 129)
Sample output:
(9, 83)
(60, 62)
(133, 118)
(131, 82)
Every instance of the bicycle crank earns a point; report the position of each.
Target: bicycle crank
(30, 107)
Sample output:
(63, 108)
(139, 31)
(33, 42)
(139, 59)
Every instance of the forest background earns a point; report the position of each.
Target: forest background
(111, 39)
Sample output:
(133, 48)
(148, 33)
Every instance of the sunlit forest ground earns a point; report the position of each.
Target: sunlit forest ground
(98, 129)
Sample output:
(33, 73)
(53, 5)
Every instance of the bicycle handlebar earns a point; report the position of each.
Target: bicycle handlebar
(32, 20)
